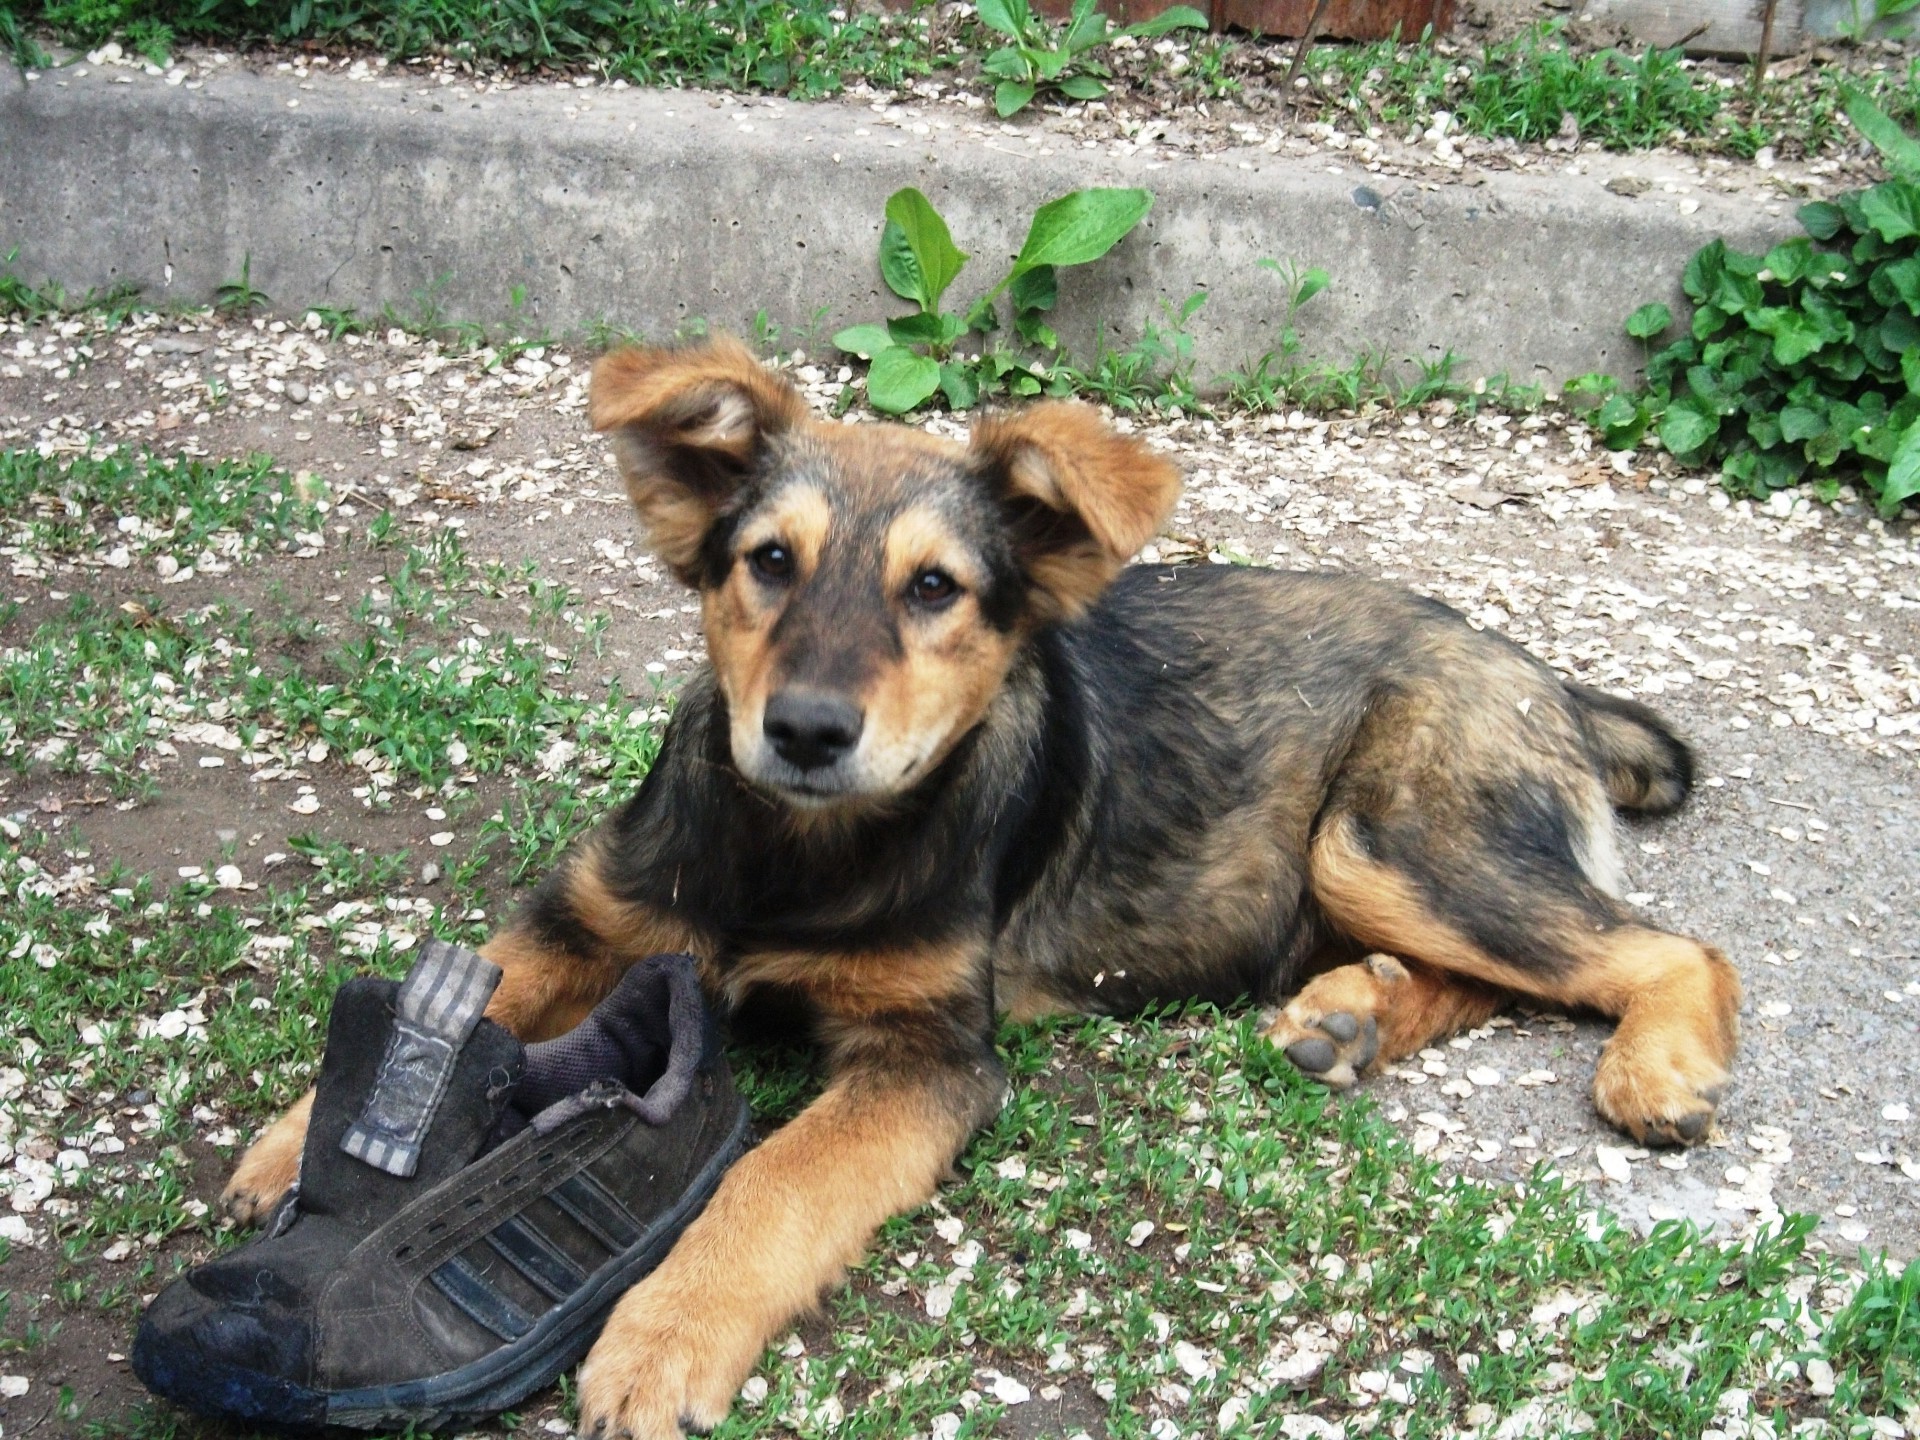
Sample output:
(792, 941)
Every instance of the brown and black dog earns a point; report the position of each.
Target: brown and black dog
(950, 758)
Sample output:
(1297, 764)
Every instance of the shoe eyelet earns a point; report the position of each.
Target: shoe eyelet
(436, 1227)
(474, 1202)
(546, 1159)
(403, 1252)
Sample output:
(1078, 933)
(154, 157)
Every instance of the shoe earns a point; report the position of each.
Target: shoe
(468, 1209)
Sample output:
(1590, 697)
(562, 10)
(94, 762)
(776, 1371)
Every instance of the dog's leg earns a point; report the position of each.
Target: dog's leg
(784, 1225)
(1678, 1003)
(564, 951)
(1677, 1000)
(1360, 1015)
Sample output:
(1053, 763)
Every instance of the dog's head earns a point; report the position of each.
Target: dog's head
(865, 588)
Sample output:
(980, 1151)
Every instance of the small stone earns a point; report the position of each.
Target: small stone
(296, 392)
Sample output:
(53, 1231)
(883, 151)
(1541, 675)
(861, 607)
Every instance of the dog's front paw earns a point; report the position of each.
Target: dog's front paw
(662, 1368)
(268, 1169)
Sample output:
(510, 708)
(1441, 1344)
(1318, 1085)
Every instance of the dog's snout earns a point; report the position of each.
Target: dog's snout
(811, 730)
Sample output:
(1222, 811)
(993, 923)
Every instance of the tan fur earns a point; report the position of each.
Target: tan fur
(669, 406)
(1063, 456)
(858, 987)
(272, 1163)
(1677, 1001)
(784, 1225)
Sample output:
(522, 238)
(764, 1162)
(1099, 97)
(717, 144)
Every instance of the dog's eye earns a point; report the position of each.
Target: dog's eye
(772, 562)
(933, 587)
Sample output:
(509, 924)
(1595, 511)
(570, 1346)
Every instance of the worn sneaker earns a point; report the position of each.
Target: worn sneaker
(468, 1211)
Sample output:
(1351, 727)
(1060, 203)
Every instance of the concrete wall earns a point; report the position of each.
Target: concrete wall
(647, 208)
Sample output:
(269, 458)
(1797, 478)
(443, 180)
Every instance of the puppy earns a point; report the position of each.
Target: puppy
(949, 759)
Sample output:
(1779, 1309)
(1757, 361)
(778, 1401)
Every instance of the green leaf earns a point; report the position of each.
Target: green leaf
(1086, 28)
(1175, 17)
(899, 380)
(1010, 97)
(961, 388)
(1910, 370)
(1703, 271)
(1798, 423)
(1035, 289)
(1892, 208)
(1081, 226)
(1686, 430)
(1310, 284)
(1823, 219)
(1900, 281)
(1795, 336)
(898, 267)
(1034, 330)
(1008, 64)
(938, 259)
(935, 328)
(1903, 470)
(982, 316)
(865, 341)
(1082, 87)
(1001, 15)
(1791, 261)
(1649, 321)
(1901, 150)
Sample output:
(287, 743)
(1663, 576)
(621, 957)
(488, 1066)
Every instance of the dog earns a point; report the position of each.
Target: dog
(952, 757)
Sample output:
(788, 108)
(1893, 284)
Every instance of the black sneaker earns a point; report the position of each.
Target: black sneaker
(468, 1211)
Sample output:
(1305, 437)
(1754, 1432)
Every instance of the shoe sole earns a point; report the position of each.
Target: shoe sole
(557, 1340)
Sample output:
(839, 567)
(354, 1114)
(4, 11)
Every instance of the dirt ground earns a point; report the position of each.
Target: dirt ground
(1783, 640)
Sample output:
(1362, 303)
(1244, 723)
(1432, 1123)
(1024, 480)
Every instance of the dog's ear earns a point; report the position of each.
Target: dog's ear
(687, 426)
(1079, 499)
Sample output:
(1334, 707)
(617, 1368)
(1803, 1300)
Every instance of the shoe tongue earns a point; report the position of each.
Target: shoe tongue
(481, 1080)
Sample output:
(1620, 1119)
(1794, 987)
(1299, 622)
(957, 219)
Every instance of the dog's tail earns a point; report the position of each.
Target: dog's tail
(1646, 767)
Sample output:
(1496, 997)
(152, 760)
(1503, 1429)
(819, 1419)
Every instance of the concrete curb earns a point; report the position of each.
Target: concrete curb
(648, 207)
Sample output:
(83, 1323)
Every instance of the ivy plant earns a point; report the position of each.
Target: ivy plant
(1800, 363)
(1041, 58)
(914, 355)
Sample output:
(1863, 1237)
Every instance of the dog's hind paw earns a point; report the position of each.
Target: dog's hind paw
(1331, 1029)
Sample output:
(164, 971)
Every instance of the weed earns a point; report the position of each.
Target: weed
(1043, 58)
(1801, 362)
(1876, 1337)
(1157, 369)
(18, 299)
(336, 321)
(916, 355)
(238, 295)
(806, 48)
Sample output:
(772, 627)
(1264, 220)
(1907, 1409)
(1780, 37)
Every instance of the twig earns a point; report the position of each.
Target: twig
(1300, 50)
(1760, 57)
(1790, 804)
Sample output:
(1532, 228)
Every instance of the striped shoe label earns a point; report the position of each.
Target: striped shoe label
(440, 1002)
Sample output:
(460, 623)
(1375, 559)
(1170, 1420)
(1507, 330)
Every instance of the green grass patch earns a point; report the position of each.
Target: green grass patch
(809, 48)
(1524, 89)
(172, 511)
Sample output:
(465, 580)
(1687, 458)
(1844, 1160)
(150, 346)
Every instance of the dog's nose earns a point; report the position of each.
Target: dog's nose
(811, 730)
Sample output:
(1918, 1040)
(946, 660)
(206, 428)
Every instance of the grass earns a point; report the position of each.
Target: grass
(175, 512)
(810, 48)
(1524, 89)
